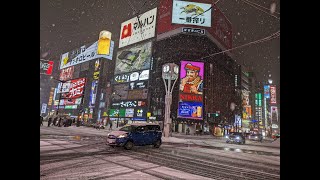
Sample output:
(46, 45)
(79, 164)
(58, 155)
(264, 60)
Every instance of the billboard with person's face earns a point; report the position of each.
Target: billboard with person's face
(191, 90)
(191, 77)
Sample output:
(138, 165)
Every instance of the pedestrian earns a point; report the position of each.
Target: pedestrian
(188, 131)
(55, 121)
(41, 120)
(49, 121)
(59, 122)
(110, 128)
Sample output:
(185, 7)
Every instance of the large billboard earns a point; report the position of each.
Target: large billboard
(221, 28)
(83, 54)
(192, 110)
(133, 31)
(134, 58)
(273, 98)
(192, 13)
(76, 88)
(191, 90)
(191, 77)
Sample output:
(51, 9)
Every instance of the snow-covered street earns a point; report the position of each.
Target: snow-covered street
(81, 153)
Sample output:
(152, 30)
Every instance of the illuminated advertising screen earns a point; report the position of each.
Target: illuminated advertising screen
(191, 77)
(266, 91)
(245, 98)
(138, 85)
(134, 58)
(273, 98)
(70, 107)
(96, 72)
(83, 54)
(70, 101)
(131, 32)
(93, 92)
(192, 110)
(246, 112)
(129, 112)
(66, 73)
(116, 112)
(128, 104)
(51, 97)
(140, 114)
(76, 88)
(191, 90)
(192, 13)
(131, 77)
(220, 28)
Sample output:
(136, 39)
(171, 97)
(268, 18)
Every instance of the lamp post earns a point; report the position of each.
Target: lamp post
(170, 72)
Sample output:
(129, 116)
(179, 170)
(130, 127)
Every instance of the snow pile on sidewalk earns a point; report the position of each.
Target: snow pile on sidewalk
(173, 140)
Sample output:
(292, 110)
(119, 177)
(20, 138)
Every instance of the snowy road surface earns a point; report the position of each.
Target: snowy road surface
(80, 153)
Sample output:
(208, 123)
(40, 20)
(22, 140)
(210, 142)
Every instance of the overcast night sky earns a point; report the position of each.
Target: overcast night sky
(68, 24)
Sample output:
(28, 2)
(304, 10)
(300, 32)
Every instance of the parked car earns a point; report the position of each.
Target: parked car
(235, 137)
(255, 137)
(135, 134)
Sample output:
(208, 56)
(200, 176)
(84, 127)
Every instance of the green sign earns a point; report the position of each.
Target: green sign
(116, 112)
(70, 107)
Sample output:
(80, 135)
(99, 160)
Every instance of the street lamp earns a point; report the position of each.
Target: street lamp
(170, 72)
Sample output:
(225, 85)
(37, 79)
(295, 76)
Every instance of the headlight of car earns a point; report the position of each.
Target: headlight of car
(123, 136)
(237, 137)
(227, 136)
(256, 137)
(108, 134)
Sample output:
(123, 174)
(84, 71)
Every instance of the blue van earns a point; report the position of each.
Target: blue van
(136, 134)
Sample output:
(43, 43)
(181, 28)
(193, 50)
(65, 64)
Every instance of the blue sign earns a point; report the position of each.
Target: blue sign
(254, 121)
(192, 110)
(267, 91)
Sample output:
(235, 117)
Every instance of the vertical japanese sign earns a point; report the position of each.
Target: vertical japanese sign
(50, 97)
(273, 99)
(191, 90)
(266, 91)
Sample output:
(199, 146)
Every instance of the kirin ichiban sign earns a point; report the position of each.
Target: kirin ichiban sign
(133, 31)
(46, 67)
(83, 54)
(192, 13)
(273, 99)
(76, 88)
